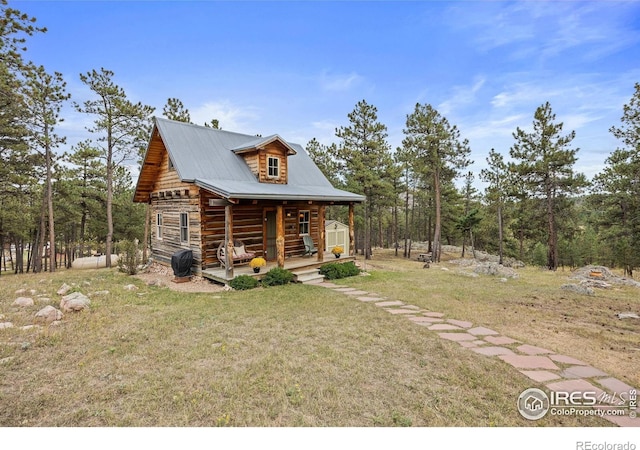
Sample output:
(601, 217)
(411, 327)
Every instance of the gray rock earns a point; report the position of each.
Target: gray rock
(597, 284)
(75, 301)
(48, 314)
(5, 325)
(130, 287)
(21, 291)
(64, 289)
(23, 301)
(99, 293)
(578, 289)
(495, 269)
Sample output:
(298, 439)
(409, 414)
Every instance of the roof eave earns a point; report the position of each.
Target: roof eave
(290, 197)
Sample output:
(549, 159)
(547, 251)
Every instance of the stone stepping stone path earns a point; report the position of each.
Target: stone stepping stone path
(559, 373)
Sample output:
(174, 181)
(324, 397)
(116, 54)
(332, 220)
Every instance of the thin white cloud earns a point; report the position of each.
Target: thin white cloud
(462, 96)
(339, 82)
(238, 118)
(542, 30)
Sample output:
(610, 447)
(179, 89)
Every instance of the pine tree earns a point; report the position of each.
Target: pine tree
(544, 165)
(44, 96)
(175, 110)
(440, 153)
(616, 194)
(123, 129)
(497, 175)
(365, 155)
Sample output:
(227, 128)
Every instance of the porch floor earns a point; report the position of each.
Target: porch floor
(294, 264)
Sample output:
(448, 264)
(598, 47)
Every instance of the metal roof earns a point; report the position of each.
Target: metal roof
(207, 157)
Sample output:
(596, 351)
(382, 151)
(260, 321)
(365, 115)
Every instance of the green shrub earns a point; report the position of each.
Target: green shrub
(243, 282)
(277, 277)
(334, 271)
(129, 259)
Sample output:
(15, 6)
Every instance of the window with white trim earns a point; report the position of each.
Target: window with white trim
(184, 228)
(159, 226)
(273, 167)
(303, 222)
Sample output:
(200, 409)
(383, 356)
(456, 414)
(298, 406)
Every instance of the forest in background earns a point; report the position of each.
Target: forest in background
(59, 203)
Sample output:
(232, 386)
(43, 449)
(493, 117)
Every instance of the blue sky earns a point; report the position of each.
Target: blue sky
(298, 68)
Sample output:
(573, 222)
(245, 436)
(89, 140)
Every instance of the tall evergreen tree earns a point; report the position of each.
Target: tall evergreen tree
(16, 163)
(86, 187)
(122, 127)
(616, 193)
(441, 153)
(497, 175)
(44, 95)
(366, 157)
(544, 165)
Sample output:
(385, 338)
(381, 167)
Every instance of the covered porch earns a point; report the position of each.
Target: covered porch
(274, 230)
(299, 265)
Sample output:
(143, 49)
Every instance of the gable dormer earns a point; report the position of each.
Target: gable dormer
(267, 158)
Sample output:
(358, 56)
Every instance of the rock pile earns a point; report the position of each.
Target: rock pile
(601, 277)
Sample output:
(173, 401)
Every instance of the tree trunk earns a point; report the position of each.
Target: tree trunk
(500, 245)
(435, 253)
(406, 220)
(367, 226)
(109, 237)
(52, 234)
(552, 255)
(37, 257)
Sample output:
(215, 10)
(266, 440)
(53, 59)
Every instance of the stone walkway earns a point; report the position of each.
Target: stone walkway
(559, 373)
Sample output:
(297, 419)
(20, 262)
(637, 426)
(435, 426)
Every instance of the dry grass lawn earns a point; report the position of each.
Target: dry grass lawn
(296, 355)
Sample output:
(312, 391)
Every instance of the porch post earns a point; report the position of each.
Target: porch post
(321, 214)
(228, 238)
(352, 239)
(280, 236)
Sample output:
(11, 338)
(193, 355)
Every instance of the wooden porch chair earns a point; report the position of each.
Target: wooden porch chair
(309, 246)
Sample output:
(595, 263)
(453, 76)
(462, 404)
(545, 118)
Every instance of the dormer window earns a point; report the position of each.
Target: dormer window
(273, 167)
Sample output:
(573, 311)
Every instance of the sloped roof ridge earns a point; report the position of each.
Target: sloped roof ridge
(203, 127)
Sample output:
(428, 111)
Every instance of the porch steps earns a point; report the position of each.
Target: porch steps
(310, 276)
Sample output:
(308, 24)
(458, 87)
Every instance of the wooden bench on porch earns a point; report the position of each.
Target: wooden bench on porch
(240, 254)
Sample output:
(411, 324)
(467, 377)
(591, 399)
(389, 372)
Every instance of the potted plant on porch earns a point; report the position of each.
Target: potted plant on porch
(256, 263)
(337, 251)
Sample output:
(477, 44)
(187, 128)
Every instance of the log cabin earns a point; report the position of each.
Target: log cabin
(210, 189)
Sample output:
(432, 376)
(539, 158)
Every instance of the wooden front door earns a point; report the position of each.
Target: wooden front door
(270, 235)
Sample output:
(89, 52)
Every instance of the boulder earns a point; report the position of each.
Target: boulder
(64, 289)
(578, 289)
(74, 302)
(495, 269)
(131, 287)
(48, 314)
(5, 325)
(23, 301)
(598, 284)
(98, 293)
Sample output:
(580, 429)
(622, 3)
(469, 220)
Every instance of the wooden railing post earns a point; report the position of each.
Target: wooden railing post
(280, 236)
(321, 243)
(352, 239)
(228, 238)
